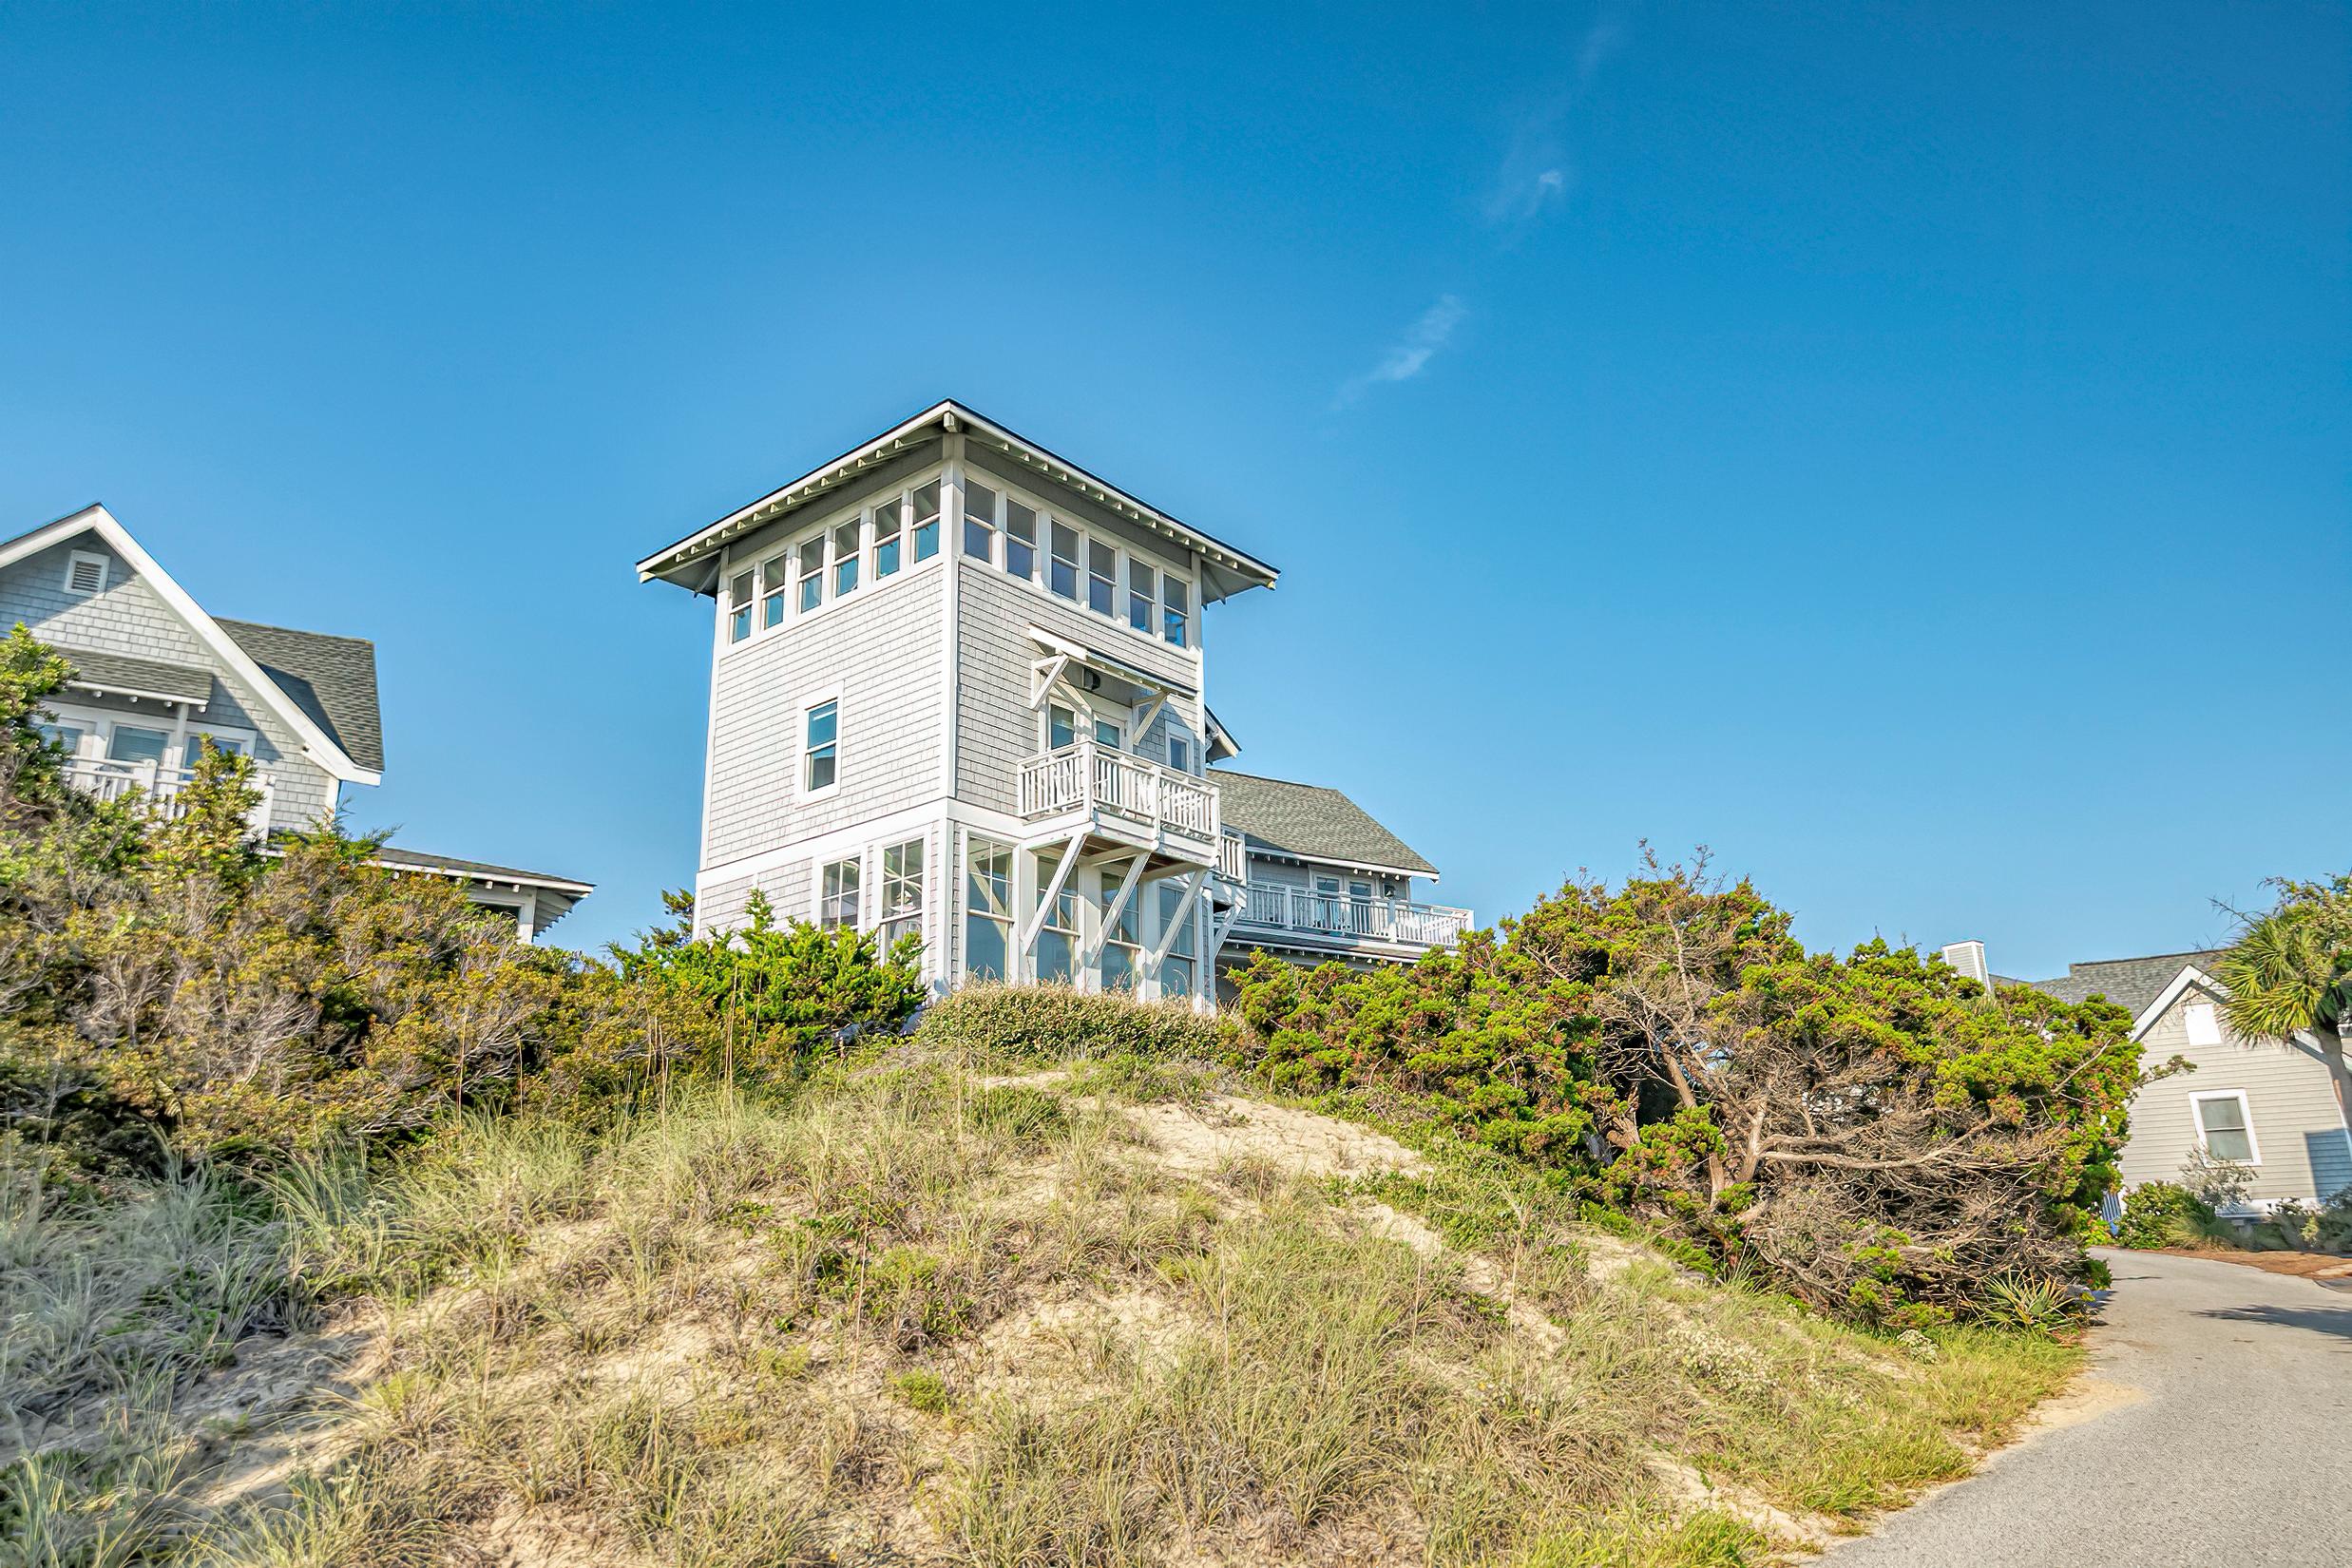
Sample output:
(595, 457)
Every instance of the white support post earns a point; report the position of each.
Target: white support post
(527, 918)
(1035, 921)
(1193, 885)
(1113, 911)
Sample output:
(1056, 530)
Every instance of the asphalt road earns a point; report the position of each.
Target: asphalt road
(2214, 1427)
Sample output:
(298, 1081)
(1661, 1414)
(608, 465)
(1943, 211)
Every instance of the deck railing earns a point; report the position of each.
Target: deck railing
(161, 788)
(1233, 857)
(1089, 778)
(1331, 914)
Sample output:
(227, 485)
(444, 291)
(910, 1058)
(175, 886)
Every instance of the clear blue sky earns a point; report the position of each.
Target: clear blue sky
(1902, 448)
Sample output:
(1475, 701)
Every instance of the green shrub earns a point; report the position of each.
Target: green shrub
(1023, 1023)
(2162, 1214)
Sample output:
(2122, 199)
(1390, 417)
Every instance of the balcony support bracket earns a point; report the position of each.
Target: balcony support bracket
(1035, 921)
(1193, 885)
(1114, 909)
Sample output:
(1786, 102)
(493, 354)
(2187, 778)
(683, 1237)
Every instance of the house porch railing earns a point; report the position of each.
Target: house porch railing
(160, 789)
(1265, 906)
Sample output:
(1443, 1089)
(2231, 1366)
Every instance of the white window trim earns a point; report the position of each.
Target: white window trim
(803, 531)
(105, 572)
(808, 704)
(2246, 1112)
(817, 864)
(1048, 514)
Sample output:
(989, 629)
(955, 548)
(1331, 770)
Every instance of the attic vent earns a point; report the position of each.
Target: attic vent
(85, 574)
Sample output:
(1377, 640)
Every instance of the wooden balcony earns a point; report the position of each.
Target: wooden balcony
(1338, 921)
(1232, 858)
(158, 788)
(1122, 799)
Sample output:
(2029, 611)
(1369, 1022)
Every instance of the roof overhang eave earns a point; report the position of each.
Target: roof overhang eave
(1225, 570)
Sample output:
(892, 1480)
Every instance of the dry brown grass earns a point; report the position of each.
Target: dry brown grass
(1111, 1318)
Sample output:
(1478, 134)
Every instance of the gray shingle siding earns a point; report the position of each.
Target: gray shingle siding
(881, 648)
(128, 617)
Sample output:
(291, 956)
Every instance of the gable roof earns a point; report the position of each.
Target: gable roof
(319, 743)
(332, 679)
(1312, 823)
(1225, 570)
(2129, 983)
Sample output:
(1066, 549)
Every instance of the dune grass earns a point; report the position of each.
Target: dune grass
(910, 1308)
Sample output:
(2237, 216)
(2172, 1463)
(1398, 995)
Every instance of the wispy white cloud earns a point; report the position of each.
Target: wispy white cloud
(1409, 355)
(1535, 172)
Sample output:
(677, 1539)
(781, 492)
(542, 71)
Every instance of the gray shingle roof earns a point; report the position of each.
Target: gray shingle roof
(1310, 822)
(2131, 982)
(114, 672)
(329, 678)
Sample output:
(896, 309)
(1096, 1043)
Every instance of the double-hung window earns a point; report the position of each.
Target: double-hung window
(1122, 944)
(979, 522)
(820, 759)
(1020, 540)
(889, 518)
(1060, 726)
(775, 579)
(988, 908)
(1057, 938)
(1176, 609)
(739, 605)
(837, 904)
(1179, 755)
(811, 558)
(902, 893)
(2223, 1127)
(1106, 734)
(1062, 571)
(1139, 596)
(1176, 970)
(926, 524)
(1102, 578)
(845, 555)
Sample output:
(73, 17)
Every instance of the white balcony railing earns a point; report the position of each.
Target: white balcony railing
(159, 788)
(1329, 914)
(1089, 778)
(1233, 857)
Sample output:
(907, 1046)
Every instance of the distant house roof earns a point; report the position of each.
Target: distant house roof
(400, 859)
(331, 678)
(120, 675)
(1312, 823)
(2129, 983)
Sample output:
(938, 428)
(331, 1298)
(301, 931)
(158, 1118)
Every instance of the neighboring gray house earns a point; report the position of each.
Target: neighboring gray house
(2275, 1106)
(155, 674)
(958, 689)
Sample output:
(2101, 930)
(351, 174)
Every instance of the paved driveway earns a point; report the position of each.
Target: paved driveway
(2214, 1429)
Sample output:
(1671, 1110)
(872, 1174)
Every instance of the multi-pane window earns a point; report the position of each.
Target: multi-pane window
(1102, 578)
(821, 763)
(1020, 538)
(1139, 605)
(774, 578)
(845, 557)
(2223, 1127)
(811, 558)
(926, 524)
(1175, 611)
(739, 605)
(1122, 945)
(1057, 939)
(902, 893)
(193, 751)
(1062, 571)
(1060, 726)
(1176, 970)
(130, 744)
(979, 522)
(837, 902)
(889, 518)
(988, 908)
